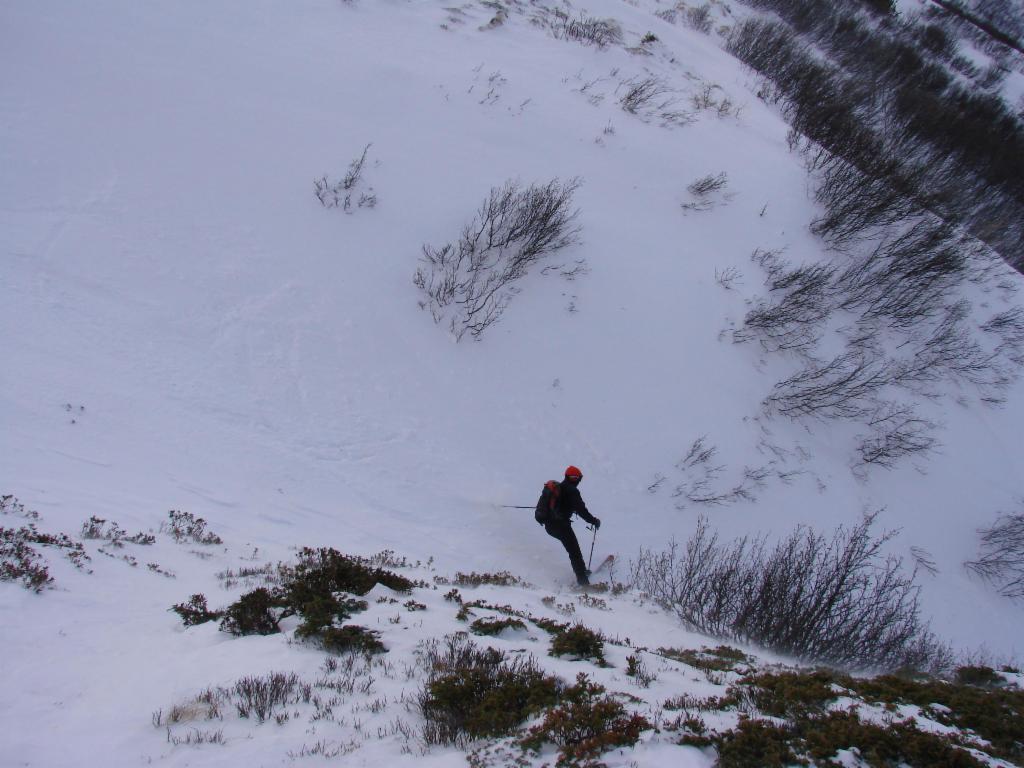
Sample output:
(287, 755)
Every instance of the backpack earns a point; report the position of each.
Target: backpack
(547, 501)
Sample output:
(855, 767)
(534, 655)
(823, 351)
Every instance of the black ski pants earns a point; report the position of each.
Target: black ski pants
(562, 531)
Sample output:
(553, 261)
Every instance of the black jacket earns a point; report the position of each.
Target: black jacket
(570, 502)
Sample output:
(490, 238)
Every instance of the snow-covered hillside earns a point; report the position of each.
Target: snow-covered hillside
(184, 326)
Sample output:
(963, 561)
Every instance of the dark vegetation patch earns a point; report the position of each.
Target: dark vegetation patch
(495, 625)
(586, 723)
(815, 741)
(579, 642)
(351, 638)
(318, 588)
(887, 104)
(195, 611)
(804, 699)
(474, 579)
(474, 692)
(721, 659)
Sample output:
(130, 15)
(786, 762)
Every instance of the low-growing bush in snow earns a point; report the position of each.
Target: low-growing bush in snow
(579, 642)
(186, 527)
(495, 625)
(315, 590)
(351, 638)
(833, 599)
(20, 561)
(9, 505)
(473, 692)
(1001, 561)
(108, 530)
(586, 723)
(470, 282)
(254, 613)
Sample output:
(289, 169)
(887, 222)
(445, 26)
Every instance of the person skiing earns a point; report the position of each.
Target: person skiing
(559, 522)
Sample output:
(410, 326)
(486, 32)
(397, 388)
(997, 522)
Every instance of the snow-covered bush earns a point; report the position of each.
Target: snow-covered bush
(834, 599)
(471, 281)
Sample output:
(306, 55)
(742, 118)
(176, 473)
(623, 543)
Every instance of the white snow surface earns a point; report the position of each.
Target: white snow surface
(185, 327)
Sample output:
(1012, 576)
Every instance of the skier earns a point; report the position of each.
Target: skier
(559, 523)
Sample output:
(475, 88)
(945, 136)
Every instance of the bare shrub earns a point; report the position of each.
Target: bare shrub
(588, 30)
(259, 697)
(704, 192)
(1001, 563)
(906, 277)
(792, 320)
(843, 387)
(470, 282)
(705, 185)
(1008, 327)
(341, 194)
(641, 94)
(728, 277)
(830, 599)
(9, 505)
(896, 432)
(699, 18)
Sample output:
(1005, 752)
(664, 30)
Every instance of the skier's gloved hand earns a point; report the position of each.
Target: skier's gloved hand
(597, 522)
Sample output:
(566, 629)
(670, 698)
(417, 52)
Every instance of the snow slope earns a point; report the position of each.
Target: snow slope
(185, 327)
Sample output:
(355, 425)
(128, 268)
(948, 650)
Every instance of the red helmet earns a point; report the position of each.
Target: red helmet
(573, 473)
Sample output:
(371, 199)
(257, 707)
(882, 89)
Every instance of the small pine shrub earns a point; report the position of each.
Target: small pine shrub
(495, 625)
(195, 611)
(474, 692)
(586, 723)
(252, 614)
(326, 571)
(351, 638)
(322, 611)
(579, 642)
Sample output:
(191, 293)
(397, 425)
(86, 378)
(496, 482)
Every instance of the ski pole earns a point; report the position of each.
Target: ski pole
(513, 506)
(592, 542)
